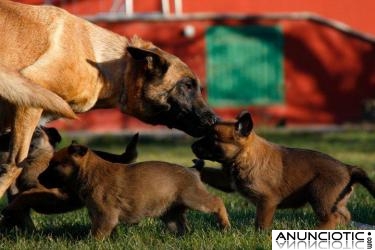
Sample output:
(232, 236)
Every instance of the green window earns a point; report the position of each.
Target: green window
(244, 65)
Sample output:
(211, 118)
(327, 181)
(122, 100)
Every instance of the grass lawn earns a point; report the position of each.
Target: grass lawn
(71, 230)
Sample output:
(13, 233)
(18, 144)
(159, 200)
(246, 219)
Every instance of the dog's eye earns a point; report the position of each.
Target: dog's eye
(187, 83)
(189, 86)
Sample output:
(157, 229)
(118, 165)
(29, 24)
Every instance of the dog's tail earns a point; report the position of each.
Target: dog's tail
(18, 90)
(358, 175)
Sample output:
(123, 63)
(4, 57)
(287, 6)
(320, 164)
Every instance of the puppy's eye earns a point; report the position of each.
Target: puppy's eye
(53, 163)
(37, 133)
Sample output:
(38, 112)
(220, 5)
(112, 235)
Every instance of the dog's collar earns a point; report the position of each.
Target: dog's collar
(123, 98)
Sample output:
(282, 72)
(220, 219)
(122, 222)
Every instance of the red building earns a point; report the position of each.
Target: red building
(292, 61)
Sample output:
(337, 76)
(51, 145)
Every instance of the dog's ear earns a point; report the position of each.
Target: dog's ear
(153, 62)
(77, 150)
(244, 124)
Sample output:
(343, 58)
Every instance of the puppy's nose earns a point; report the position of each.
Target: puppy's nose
(195, 148)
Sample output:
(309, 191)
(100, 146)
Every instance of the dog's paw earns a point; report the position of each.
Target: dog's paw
(198, 164)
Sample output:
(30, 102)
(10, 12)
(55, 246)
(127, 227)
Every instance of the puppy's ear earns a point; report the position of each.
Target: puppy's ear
(54, 136)
(76, 149)
(154, 63)
(244, 124)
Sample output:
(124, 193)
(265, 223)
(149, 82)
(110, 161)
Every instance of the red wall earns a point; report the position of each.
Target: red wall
(356, 14)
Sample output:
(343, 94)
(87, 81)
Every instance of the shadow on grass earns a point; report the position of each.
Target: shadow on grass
(68, 232)
(76, 232)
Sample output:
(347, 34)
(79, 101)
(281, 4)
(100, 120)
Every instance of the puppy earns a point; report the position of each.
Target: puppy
(27, 193)
(273, 176)
(116, 193)
(40, 152)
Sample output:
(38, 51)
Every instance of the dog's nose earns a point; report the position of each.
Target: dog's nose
(209, 119)
(212, 120)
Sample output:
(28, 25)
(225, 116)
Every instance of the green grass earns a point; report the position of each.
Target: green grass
(71, 230)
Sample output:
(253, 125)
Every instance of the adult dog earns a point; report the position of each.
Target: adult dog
(54, 64)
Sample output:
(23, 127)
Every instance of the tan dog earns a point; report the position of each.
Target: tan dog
(272, 176)
(128, 193)
(54, 64)
(27, 193)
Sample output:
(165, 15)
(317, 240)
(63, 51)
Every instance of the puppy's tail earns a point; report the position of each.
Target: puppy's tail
(20, 91)
(131, 153)
(358, 175)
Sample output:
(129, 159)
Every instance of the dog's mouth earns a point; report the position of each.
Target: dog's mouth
(191, 122)
(194, 129)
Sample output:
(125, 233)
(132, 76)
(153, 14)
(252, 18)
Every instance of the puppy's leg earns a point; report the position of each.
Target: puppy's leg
(45, 201)
(265, 211)
(103, 223)
(42, 200)
(198, 198)
(175, 220)
(323, 200)
(345, 216)
(23, 126)
(217, 178)
(20, 219)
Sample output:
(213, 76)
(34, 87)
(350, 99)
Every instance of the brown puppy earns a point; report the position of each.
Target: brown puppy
(40, 152)
(127, 193)
(272, 176)
(76, 66)
(29, 194)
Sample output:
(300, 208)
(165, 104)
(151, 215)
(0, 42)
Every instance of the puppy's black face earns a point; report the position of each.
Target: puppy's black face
(219, 145)
(57, 175)
(40, 143)
(63, 167)
(225, 141)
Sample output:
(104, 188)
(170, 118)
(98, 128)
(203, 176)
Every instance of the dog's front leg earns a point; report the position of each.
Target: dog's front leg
(22, 129)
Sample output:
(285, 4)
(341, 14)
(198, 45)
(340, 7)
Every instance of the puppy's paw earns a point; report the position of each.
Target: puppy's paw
(16, 219)
(198, 164)
(225, 226)
(4, 169)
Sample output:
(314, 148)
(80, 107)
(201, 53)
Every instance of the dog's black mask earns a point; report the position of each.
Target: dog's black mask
(188, 110)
